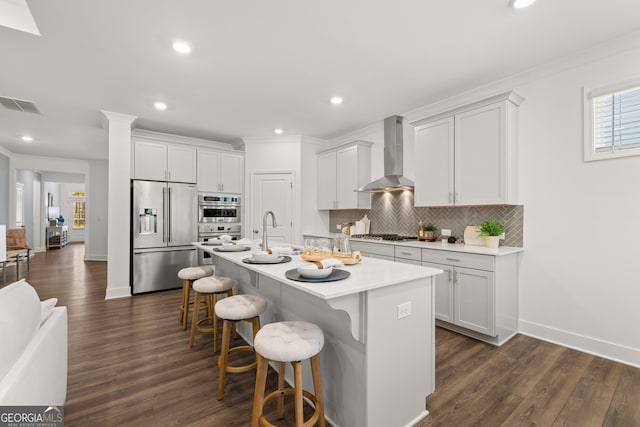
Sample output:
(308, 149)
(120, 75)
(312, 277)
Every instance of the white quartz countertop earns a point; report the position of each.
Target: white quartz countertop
(456, 247)
(370, 273)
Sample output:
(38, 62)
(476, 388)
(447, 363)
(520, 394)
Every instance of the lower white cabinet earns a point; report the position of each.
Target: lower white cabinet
(477, 295)
(465, 297)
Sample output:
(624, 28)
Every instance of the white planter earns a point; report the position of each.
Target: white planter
(491, 241)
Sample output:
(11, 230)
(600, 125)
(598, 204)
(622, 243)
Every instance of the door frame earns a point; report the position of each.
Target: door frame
(295, 209)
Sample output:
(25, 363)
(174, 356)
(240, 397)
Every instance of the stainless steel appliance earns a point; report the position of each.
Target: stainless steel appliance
(214, 208)
(163, 227)
(393, 178)
(217, 215)
(209, 233)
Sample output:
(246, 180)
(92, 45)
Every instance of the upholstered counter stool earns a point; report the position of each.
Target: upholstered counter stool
(246, 308)
(188, 276)
(208, 287)
(291, 341)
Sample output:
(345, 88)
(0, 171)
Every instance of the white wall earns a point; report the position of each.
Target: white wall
(283, 154)
(579, 274)
(312, 220)
(95, 239)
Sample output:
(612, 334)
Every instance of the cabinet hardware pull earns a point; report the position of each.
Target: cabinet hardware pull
(453, 259)
(449, 275)
(405, 253)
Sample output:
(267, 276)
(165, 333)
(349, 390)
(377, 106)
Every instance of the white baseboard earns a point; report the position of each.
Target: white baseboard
(94, 257)
(608, 350)
(118, 292)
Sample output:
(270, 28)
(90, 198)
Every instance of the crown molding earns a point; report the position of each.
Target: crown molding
(179, 139)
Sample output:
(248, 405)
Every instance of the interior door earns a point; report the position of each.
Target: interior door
(272, 192)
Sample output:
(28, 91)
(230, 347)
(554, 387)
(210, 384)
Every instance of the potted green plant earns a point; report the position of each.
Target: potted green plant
(491, 230)
(429, 232)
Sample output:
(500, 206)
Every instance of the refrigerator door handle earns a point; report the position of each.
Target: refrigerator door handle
(169, 217)
(164, 215)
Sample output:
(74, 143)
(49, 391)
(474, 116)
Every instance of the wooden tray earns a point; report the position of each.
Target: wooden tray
(308, 255)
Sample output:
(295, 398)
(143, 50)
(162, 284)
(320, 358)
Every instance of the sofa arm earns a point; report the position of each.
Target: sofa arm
(39, 376)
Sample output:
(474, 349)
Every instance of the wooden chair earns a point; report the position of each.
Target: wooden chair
(17, 249)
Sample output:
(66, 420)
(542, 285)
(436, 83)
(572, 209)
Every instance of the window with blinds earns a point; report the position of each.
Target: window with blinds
(614, 123)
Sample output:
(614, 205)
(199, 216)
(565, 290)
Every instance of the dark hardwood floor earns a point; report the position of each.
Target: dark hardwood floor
(130, 364)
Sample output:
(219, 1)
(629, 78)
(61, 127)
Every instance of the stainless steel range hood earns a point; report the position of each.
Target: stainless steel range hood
(393, 178)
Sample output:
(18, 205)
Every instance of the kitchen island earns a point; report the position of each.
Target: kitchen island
(378, 362)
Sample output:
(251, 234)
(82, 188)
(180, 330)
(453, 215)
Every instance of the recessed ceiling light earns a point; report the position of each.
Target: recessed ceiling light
(26, 138)
(160, 105)
(181, 47)
(278, 131)
(521, 4)
(336, 100)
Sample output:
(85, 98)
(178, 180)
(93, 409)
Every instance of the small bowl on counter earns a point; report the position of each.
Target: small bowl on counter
(311, 271)
(265, 256)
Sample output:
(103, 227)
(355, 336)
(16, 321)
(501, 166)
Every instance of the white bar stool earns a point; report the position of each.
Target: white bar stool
(291, 341)
(209, 287)
(246, 308)
(188, 276)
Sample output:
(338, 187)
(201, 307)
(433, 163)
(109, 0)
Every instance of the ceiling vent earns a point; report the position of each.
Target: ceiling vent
(19, 105)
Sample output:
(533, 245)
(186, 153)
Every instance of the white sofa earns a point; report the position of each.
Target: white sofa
(33, 348)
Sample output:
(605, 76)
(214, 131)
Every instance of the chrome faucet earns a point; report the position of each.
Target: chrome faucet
(264, 228)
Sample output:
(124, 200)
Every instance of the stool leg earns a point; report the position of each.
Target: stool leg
(184, 308)
(224, 355)
(194, 318)
(281, 367)
(317, 388)
(258, 395)
(297, 381)
(215, 324)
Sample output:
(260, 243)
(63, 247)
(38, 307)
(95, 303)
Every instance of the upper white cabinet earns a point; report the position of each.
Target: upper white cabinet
(159, 161)
(219, 171)
(340, 171)
(470, 154)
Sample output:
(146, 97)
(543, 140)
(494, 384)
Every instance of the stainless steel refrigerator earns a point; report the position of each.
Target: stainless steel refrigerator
(163, 225)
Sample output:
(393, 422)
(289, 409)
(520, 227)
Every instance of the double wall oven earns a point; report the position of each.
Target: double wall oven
(217, 215)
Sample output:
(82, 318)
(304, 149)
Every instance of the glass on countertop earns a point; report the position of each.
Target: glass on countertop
(341, 245)
(318, 245)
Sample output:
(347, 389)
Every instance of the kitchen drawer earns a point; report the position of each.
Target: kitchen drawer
(461, 259)
(407, 252)
(373, 248)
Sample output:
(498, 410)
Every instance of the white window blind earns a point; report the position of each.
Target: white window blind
(616, 121)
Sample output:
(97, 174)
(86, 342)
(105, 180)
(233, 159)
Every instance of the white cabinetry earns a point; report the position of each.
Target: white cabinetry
(219, 171)
(158, 161)
(471, 152)
(477, 295)
(340, 171)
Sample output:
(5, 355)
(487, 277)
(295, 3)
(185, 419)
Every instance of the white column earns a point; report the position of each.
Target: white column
(118, 211)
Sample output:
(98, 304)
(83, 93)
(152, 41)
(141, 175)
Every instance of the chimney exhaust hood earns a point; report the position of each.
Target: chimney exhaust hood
(393, 178)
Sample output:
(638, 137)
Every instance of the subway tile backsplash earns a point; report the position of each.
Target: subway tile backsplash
(394, 212)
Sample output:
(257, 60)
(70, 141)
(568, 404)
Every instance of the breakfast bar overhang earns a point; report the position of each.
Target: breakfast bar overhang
(378, 365)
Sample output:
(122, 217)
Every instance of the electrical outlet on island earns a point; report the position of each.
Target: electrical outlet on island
(446, 232)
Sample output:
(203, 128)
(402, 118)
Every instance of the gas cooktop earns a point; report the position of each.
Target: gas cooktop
(388, 237)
